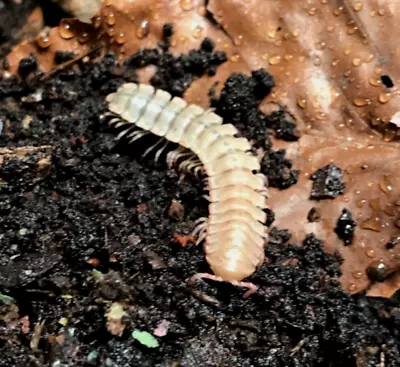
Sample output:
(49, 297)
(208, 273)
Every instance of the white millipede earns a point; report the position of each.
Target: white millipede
(234, 233)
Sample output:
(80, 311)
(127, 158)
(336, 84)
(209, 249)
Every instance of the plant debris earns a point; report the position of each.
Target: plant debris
(32, 163)
(327, 182)
(345, 227)
(145, 338)
(6, 299)
(393, 242)
(162, 328)
(313, 215)
(115, 325)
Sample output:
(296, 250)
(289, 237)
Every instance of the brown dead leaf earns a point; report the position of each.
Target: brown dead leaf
(327, 58)
(372, 195)
(33, 25)
(11, 324)
(42, 154)
(136, 25)
(154, 260)
(124, 27)
(71, 36)
(387, 288)
(23, 152)
(176, 210)
(37, 332)
(184, 239)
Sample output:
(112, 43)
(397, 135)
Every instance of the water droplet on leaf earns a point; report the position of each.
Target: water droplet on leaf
(275, 60)
(96, 21)
(111, 19)
(186, 4)
(43, 42)
(143, 30)
(384, 97)
(65, 30)
(360, 102)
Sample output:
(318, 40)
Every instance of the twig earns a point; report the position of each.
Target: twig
(68, 63)
(299, 345)
(204, 297)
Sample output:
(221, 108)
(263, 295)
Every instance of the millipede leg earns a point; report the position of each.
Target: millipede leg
(159, 152)
(171, 158)
(133, 133)
(177, 154)
(206, 183)
(200, 230)
(137, 135)
(252, 288)
(125, 132)
(264, 191)
(201, 220)
(198, 170)
(183, 166)
(195, 167)
(190, 162)
(114, 122)
(152, 147)
(263, 177)
(192, 165)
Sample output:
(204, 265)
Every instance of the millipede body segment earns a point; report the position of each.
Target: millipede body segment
(234, 233)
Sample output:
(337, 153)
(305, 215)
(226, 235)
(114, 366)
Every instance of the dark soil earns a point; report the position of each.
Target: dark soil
(345, 227)
(101, 207)
(327, 182)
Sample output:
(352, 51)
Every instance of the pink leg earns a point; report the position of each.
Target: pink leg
(252, 288)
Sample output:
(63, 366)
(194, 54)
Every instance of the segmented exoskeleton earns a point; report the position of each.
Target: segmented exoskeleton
(234, 233)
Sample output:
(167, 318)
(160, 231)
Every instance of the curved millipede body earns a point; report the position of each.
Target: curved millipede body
(234, 233)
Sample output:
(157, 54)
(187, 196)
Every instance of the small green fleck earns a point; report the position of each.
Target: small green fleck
(145, 338)
(6, 299)
(92, 356)
(98, 275)
(67, 296)
(63, 321)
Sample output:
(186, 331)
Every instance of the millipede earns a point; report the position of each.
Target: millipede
(234, 234)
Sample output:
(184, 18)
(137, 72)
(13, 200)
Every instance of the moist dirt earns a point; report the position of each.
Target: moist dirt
(101, 226)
